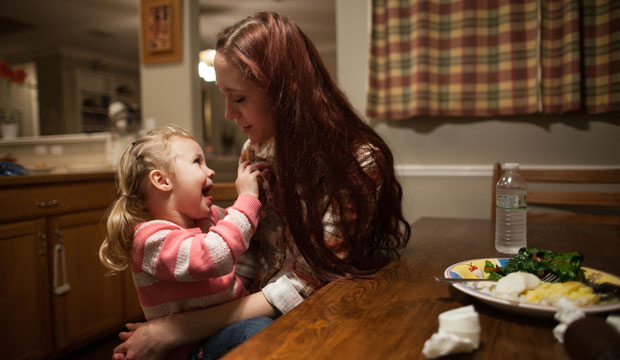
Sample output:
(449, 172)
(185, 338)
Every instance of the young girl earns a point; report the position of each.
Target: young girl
(332, 205)
(181, 248)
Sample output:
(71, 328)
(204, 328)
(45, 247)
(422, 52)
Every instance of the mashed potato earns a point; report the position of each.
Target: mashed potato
(574, 291)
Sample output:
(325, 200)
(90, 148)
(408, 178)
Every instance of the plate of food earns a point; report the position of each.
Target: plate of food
(519, 288)
(39, 168)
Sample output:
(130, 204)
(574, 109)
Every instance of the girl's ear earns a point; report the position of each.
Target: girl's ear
(159, 179)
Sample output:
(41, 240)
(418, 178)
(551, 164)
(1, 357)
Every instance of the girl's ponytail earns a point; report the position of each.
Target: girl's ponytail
(114, 252)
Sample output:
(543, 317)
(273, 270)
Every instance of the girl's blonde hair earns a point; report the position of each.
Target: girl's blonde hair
(147, 153)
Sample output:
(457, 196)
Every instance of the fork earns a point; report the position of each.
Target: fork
(551, 277)
(461, 280)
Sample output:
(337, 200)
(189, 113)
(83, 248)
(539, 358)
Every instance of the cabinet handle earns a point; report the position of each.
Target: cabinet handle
(43, 245)
(44, 204)
(59, 250)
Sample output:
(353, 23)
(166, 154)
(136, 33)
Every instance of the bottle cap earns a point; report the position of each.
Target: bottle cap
(511, 165)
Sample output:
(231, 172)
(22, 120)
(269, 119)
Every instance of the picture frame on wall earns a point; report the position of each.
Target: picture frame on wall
(161, 31)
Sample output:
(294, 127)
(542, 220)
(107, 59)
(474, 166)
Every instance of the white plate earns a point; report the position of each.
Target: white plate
(461, 270)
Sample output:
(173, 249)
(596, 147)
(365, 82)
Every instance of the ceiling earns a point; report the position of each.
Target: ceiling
(30, 28)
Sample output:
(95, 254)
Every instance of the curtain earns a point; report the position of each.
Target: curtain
(560, 56)
(601, 52)
(489, 58)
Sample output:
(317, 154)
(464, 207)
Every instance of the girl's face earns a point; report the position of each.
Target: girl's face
(245, 103)
(191, 181)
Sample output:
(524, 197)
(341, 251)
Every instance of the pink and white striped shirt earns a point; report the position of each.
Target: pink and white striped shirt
(176, 269)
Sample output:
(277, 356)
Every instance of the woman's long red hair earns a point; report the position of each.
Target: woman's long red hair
(318, 137)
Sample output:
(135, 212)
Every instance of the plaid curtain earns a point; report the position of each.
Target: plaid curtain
(489, 58)
(456, 58)
(601, 55)
(560, 56)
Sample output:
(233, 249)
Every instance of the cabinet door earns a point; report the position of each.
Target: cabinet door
(24, 291)
(90, 301)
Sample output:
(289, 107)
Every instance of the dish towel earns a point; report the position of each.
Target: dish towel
(459, 332)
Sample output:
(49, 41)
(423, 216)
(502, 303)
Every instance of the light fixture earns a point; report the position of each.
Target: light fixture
(205, 66)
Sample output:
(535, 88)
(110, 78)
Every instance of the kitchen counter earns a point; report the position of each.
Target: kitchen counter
(57, 177)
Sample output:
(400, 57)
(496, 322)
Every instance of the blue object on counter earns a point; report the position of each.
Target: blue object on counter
(9, 168)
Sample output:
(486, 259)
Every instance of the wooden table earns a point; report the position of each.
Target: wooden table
(391, 315)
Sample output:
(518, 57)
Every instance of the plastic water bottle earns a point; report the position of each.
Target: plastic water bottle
(510, 210)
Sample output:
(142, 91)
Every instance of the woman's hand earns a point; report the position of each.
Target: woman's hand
(155, 338)
(247, 179)
(143, 341)
(266, 170)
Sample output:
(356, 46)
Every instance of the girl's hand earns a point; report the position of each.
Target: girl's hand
(247, 179)
(143, 341)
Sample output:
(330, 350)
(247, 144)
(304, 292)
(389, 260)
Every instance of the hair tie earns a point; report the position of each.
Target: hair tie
(125, 195)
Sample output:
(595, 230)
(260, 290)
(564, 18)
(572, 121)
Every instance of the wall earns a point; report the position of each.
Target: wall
(445, 163)
(171, 92)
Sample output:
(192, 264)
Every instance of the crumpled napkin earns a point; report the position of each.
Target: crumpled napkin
(566, 314)
(459, 332)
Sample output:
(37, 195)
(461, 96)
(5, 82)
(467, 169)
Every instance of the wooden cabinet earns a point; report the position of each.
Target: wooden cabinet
(24, 290)
(55, 293)
(85, 301)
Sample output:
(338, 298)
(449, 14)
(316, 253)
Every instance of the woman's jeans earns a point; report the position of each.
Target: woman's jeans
(224, 341)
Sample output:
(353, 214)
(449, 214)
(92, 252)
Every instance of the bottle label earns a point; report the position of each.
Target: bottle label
(511, 201)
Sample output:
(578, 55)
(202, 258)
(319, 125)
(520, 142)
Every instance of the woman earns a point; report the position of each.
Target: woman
(332, 204)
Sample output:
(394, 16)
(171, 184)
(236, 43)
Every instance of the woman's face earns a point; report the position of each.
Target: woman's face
(244, 102)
